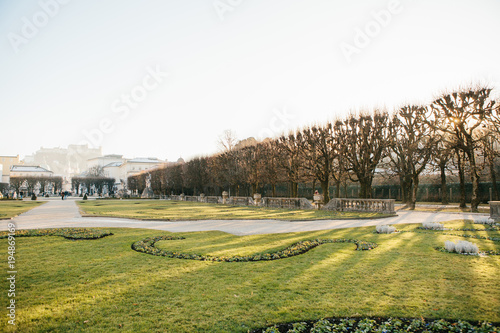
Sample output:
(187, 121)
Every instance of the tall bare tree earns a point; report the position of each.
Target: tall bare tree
(365, 139)
(288, 148)
(463, 115)
(411, 141)
(227, 141)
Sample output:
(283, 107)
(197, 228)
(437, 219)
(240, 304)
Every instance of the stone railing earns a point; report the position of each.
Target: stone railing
(385, 206)
(289, 203)
(495, 211)
(241, 201)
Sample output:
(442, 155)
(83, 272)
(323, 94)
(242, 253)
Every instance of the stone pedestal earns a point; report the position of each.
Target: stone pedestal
(225, 196)
(257, 197)
(318, 200)
(182, 197)
(495, 211)
(147, 193)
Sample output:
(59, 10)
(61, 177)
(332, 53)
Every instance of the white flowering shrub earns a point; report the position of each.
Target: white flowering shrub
(485, 220)
(461, 247)
(433, 225)
(385, 229)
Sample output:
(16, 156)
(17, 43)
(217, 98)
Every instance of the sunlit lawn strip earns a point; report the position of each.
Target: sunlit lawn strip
(179, 211)
(11, 208)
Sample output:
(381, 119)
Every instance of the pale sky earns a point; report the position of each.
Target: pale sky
(165, 78)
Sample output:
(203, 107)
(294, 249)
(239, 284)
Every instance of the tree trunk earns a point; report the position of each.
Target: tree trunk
(461, 175)
(493, 175)
(444, 187)
(294, 186)
(414, 193)
(475, 182)
(326, 194)
(337, 188)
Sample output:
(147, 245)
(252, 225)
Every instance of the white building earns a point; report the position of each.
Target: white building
(120, 168)
(29, 171)
(105, 160)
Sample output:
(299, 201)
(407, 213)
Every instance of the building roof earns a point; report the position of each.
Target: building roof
(28, 168)
(145, 160)
(113, 164)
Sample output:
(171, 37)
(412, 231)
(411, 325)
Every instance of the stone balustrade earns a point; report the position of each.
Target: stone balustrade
(385, 206)
(289, 203)
(495, 211)
(241, 201)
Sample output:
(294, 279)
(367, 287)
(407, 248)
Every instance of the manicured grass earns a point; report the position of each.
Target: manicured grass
(11, 208)
(451, 208)
(179, 211)
(104, 286)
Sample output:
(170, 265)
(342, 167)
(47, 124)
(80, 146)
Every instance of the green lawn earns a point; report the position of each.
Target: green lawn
(452, 208)
(104, 286)
(11, 208)
(180, 210)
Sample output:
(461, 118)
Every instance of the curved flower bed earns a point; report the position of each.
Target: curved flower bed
(148, 246)
(68, 233)
(381, 325)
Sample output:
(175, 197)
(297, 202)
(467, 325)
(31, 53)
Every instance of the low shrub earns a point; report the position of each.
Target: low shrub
(385, 229)
(462, 246)
(381, 325)
(485, 220)
(432, 226)
(148, 246)
(33, 196)
(68, 233)
(85, 197)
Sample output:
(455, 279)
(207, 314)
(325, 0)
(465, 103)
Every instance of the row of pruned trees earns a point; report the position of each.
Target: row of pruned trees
(90, 184)
(32, 183)
(458, 131)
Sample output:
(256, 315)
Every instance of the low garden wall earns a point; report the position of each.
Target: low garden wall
(241, 201)
(385, 206)
(290, 203)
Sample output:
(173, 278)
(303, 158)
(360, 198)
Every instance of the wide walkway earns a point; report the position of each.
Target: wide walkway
(63, 214)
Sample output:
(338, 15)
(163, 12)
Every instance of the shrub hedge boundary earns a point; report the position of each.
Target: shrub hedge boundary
(68, 233)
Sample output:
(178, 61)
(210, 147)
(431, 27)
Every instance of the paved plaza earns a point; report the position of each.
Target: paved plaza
(64, 214)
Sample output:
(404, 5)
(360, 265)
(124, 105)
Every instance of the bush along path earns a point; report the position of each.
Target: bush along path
(148, 246)
(356, 325)
(68, 233)
(442, 249)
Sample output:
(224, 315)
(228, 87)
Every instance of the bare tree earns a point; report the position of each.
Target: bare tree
(96, 171)
(364, 139)
(441, 157)
(411, 142)
(321, 150)
(490, 147)
(288, 149)
(227, 141)
(463, 115)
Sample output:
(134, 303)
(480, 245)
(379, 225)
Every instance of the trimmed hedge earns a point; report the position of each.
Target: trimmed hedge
(381, 325)
(148, 246)
(68, 233)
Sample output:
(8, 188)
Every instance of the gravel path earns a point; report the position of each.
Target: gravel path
(63, 214)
